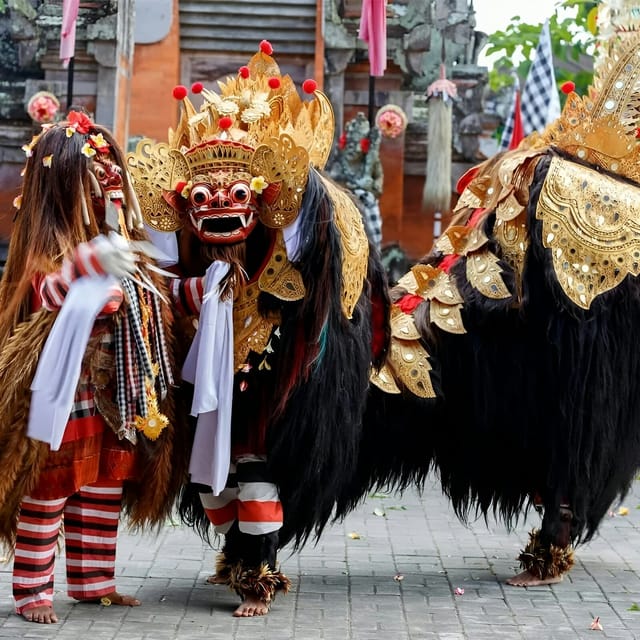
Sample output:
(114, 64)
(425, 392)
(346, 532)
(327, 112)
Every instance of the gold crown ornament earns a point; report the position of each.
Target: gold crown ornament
(257, 129)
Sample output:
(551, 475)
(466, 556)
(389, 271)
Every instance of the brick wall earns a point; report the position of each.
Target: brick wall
(156, 70)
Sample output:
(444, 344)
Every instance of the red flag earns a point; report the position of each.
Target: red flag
(373, 30)
(513, 131)
(68, 31)
(518, 130)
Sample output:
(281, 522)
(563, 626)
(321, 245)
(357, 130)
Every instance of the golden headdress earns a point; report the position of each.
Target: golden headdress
(257, 124)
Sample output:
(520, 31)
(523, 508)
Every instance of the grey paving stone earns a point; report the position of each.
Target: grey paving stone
(346, 589)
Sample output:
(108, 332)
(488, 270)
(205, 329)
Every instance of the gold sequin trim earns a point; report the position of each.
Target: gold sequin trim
(484, 273)
(590, 224)
(354, 243)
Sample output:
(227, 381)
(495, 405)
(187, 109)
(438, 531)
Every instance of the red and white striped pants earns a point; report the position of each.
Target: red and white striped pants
(249, 498)
(90, 529)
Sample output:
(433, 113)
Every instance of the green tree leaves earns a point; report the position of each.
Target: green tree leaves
(573, 41)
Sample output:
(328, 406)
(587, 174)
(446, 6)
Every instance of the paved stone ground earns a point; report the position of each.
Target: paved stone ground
(347, 587)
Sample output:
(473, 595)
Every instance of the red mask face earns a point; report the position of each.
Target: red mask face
(109, 176)
(222, 214)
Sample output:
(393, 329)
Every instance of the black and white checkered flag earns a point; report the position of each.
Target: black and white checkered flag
(540, 100)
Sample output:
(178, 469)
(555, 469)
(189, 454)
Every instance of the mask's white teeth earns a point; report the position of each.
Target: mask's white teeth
(197, 223)
(250, 220)
(243, 220)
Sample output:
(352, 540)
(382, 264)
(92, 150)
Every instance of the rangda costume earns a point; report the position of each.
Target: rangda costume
(86, 365)
(276, 269)
(513, 366)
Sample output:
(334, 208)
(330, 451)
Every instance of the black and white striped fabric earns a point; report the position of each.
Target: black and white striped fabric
(135, 360)
(370, 215)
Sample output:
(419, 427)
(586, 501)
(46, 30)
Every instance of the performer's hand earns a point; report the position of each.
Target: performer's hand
(114, 255)
(100, 256)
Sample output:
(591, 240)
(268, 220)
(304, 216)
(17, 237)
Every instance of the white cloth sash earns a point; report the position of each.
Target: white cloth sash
(209, 367)
(54, 386)
(292, 240)
(167, 244)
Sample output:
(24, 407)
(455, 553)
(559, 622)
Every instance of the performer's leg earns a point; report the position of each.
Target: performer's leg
(37, 537)
(251, 547)
(222, 512)
(549, 553)
(91, 530)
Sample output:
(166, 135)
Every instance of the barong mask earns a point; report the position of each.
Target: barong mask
(243, 158)
(223, 211)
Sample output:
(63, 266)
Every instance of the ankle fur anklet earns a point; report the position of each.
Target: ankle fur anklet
(545, 562)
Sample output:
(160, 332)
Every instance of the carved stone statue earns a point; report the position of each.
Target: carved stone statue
(356, 165)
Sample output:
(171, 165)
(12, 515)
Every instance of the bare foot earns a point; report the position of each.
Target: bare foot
(526, 579)
(115, 598)
(214, 579)
(250, 607)
(43, 614)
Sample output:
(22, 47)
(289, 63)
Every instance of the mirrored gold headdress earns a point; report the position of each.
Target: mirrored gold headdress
(257, 124)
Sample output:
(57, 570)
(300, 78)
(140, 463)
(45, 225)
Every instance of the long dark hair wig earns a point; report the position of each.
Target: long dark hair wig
(49, 223)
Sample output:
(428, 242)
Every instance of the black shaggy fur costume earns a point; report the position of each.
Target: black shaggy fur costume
(312, 414)
(538, 396)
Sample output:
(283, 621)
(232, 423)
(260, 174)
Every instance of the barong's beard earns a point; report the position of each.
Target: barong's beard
(235, 256)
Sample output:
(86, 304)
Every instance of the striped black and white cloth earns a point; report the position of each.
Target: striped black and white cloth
(540, 102)
(371, 216)
(136, 361)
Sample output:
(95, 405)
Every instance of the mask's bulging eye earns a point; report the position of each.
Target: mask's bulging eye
(200, 195)
(100, 172)
(240, 193)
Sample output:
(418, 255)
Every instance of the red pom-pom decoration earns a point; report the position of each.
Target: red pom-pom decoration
(225, 122)
(309, 86)
(244, 72)
(365, 144)
(265, 47)
(179, 92)
(568, 87)
(274, 83)
(197, 87)
(342, 141)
